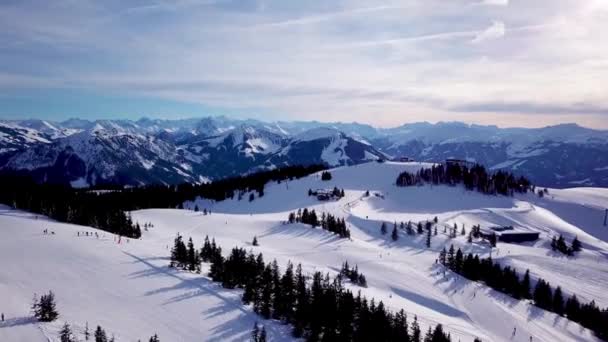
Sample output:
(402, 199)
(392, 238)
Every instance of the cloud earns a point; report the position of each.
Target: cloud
(494, 2)
(495, 31)
(395, 62)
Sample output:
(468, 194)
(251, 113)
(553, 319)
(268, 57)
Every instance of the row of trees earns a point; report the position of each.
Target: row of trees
(45, 310)
(106, 209)
(507, 280)
(64, 204)
(186, 256)
(394, 233)
(326, 221)
(66, 335)
(326, 176)
(335, 192)
(559, 244)
(318, 310)
(353, 274)
(474, 178)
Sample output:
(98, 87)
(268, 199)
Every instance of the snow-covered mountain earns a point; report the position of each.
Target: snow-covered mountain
(214, 147)
(561, 156)
(103, 156)
(129, 289)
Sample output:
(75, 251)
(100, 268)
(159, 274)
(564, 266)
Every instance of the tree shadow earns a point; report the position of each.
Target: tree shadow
(200, 286)
(18, 321)
(428, 302)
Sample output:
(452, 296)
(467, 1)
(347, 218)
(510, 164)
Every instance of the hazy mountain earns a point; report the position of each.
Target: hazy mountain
(172, 151)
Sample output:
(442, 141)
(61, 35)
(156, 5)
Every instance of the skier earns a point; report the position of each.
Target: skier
(2, 317)
(514, 331)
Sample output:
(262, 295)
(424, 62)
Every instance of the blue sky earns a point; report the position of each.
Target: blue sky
(505, 62)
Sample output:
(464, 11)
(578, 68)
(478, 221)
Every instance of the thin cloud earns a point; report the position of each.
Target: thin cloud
(495, 31)
(494, 2)
(325, 17)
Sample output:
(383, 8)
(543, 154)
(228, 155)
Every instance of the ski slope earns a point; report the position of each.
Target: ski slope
(128, 289)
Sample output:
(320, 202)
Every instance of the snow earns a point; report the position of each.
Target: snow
(129, 290)
(318, 133)
(79, 183)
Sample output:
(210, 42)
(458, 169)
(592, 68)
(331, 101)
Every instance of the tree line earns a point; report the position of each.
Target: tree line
(474, 178)
(105, 210)
(319, 309)
(507, 280)
(559, 244)
(353, 274)
(326, 221)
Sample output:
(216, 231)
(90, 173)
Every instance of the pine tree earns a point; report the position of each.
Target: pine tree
(100, 335)
(301, 311)
(525, 285)
(87, 334)
(442, 256)
(428, 238)
(415, 335)
(429, 335)
(395, 233)
(558, 301)
(262, 335)
(192, 256)
(45, 309)
(154, 338)
(255, 332)
(255, 241)
(576, 245)
(65, 334)
(383, 228)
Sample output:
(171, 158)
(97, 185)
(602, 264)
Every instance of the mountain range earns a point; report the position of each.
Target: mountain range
(84, 153)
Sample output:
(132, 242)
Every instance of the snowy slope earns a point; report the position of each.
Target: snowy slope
(129, 290)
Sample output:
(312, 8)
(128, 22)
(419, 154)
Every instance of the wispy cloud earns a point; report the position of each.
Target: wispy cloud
(496, 30)
(495, 2)
(389, 62)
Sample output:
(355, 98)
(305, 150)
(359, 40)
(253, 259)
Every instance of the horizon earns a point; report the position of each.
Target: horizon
(487, 62)
(269, 121)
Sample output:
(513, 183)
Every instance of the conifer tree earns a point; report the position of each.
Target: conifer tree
(525, 285)
(415, 335)
(255, 332)
(45, 309)
(395, 233)
(65, 334)
(558, 301)
(100, 335)
(576, 245)
(428, 238)
(255, 241)
(192, 256)
(383, 228)
(154, 338)
(87, 334)
(301, 311)
(262, 337)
